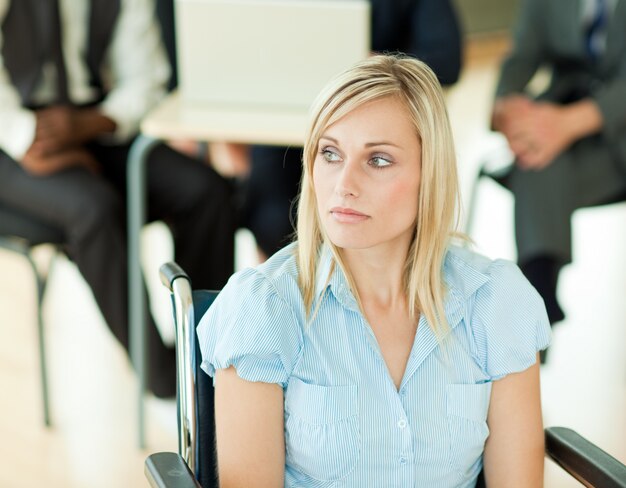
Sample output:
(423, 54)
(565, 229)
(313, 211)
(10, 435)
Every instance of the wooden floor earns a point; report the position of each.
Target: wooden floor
(92, 442)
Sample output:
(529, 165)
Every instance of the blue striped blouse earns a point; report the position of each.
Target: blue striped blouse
(346, 424)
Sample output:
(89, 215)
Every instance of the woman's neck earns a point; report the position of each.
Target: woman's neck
(378, 275)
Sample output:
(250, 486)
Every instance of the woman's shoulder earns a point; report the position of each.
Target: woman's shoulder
(505, 315)
(280, 265)
(277, 276)
(468, 271)
(255, 323)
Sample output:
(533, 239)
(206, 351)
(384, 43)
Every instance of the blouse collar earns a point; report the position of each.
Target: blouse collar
(461, 278)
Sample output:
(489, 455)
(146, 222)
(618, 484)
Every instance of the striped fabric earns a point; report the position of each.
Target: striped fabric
(346, 424)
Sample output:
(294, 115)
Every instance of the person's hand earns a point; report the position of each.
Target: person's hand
(230, 159)
(189, 147)
(542, 136)
(537, 132)
(57, 128)
(508, 111)
(62, 127)
(39, 164)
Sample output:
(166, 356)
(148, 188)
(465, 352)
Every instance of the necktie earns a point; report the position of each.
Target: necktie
(596, 30)
(56, 51)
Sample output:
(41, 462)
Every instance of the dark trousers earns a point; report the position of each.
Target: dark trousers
(90, 209)
(587, 174)
(268, 195)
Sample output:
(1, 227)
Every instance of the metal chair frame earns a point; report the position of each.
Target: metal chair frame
(24, 247)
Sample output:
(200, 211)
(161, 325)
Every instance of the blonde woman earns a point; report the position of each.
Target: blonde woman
(372, 352)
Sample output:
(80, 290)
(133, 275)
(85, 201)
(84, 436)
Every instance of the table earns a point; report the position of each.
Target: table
(177, 118)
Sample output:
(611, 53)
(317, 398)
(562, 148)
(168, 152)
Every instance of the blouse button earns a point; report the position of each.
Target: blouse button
(402, 461)
(402, 423)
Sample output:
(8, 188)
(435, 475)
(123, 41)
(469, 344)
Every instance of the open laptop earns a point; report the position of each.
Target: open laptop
(266, 54)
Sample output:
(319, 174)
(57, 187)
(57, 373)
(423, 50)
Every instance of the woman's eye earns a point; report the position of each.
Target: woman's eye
(380, 162)
(330, 156)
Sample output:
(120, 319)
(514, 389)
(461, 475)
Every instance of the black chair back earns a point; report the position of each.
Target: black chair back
(194, 388)
(206, 467)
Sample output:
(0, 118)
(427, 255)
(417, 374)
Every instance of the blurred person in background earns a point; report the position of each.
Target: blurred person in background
(76, 77)
(570, 142)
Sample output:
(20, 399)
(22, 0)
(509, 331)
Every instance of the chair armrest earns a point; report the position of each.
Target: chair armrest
(168, 470)
(169, 272)
(583, 460)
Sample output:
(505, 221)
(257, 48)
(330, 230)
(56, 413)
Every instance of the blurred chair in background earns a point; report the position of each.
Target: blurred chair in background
(19, 233)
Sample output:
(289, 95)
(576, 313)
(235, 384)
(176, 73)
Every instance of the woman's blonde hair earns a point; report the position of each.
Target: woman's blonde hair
(416, 86)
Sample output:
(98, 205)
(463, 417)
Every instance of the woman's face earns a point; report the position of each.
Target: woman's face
(366, 177)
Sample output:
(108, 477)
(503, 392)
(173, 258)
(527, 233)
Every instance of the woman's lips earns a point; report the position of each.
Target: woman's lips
(347, 215)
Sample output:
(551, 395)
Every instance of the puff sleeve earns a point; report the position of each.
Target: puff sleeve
(251, 327)
(509, 322)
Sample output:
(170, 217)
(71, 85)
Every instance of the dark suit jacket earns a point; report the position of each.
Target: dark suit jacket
(550, 33)
(426, 29)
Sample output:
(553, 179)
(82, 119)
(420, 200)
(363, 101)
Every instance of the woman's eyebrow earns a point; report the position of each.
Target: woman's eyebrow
(331, 139)
(382, 143)
(367, 144)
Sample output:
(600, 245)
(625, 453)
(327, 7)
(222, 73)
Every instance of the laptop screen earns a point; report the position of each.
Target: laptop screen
(266, 54)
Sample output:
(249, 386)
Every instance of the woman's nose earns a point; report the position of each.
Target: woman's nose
(347, 183)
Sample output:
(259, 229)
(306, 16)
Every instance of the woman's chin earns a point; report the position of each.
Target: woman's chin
(350, 242)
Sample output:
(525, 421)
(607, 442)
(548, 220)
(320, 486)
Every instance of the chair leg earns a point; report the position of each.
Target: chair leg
(42, 281)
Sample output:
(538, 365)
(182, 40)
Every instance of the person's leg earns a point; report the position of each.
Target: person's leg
(584, 176)
(543, 274)
(90, 212)
(161, 358)
(269, 195)
(543, 228)
(197, 203)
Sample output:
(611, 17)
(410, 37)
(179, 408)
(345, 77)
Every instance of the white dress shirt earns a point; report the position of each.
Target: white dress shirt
(588, 12)
(135, 67)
